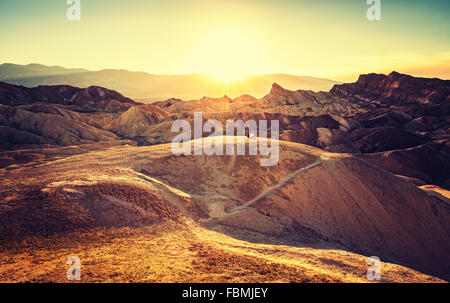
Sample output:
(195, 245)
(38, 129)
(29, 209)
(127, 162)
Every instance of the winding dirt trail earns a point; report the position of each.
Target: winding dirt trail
(278, 186)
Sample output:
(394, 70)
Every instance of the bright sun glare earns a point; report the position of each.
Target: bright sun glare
(228, 55)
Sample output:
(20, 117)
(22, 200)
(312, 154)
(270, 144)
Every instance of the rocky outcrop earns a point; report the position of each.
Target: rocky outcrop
(303, 102)
(167, 103)
(245, 98)
(93, 98)
(136, 120)
(50, 128)
(429, 162)
(395, 88)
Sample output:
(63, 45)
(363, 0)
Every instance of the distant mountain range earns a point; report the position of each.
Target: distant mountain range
(146, 87)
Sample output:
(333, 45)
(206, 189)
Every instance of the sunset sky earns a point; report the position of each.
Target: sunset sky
(230, 39)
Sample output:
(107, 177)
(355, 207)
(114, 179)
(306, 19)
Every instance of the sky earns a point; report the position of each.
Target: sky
(230, 39)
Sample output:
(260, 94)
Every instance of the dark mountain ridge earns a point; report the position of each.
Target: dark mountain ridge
(395, 87)
(90, 98)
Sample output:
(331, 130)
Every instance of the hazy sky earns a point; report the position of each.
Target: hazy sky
(229, 38)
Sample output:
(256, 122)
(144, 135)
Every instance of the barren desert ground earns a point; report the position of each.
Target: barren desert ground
(135, 214)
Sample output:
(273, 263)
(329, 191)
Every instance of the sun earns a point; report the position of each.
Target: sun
(227, 55)
(227, 76)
